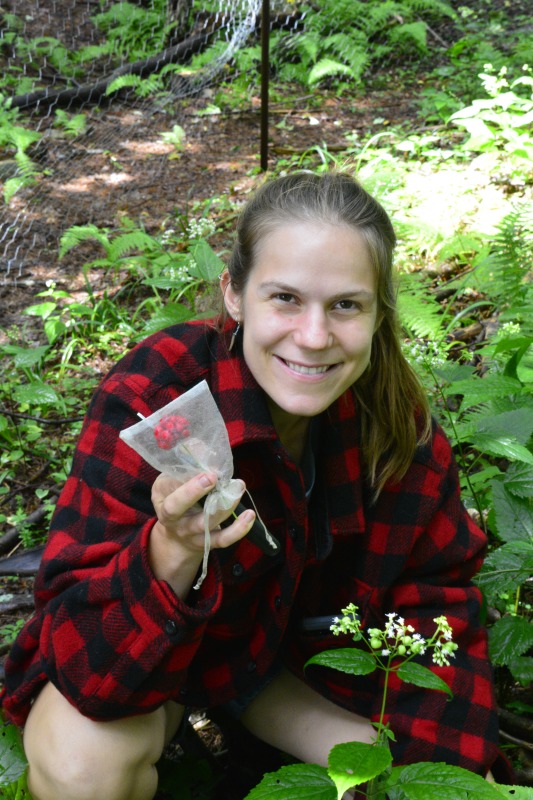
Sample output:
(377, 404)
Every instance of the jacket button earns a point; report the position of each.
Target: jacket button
(170, 627)
(293, 530)
(277, 603)
(252, 666)
(237, 570)
(279, 458)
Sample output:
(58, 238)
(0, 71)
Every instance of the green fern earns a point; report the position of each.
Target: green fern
(419, 314)
(131, 241)
(78, 234)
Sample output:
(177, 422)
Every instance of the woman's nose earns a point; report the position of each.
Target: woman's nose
(313, 330)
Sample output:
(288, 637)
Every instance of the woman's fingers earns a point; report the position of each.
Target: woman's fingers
(177, 508)
(172, 500)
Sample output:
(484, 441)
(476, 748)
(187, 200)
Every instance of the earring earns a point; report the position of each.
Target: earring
(234, 336)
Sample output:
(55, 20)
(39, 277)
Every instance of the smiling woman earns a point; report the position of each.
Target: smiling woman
(331, 434)
(306, 339)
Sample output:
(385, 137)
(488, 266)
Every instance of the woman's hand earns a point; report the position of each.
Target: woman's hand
(177, 540)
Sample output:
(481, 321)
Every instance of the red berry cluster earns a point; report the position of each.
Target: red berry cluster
(169, 430)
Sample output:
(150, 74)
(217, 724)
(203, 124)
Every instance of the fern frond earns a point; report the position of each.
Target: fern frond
(82, 233)
(131, 241)
(327, 67)
(419, 314)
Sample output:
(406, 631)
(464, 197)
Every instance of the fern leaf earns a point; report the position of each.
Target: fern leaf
(327, 67)
(131, 241)
(82, 233)
(419, 314)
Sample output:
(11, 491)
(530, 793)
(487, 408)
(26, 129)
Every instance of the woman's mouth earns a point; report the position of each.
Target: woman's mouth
(305, 370)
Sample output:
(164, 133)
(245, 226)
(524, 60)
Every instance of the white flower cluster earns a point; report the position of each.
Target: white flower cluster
(200, 228)
(398, 639)
(425, 353)
(178, 274)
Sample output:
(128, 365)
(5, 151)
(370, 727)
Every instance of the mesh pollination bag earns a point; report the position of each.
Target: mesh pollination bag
(186, 437)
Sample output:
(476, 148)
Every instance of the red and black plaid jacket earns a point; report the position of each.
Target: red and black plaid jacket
(117, 642)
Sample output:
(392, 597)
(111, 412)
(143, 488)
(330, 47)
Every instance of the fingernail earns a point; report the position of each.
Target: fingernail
(206, 482)
(248, 516)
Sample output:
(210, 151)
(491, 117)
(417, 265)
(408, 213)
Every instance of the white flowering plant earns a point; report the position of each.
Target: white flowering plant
(362, 770)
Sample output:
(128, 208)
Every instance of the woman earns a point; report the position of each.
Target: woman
(332, 437)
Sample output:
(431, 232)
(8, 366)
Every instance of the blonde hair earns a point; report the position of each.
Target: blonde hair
(392, 404)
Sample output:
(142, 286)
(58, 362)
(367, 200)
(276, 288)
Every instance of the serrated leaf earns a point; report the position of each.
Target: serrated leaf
(346, 659)
(509, 638)
(428, 780)
(506, 568)
(513, 515)
(353, 763)
(517, 424)
(516, 792)
(295, 782)
(503, 446)
(480, 390)
(519, 480)
(411, 672)
(12, 759)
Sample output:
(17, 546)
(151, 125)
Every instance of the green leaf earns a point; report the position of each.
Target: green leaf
(326, 67)
(481, 390)
(346, 659)
(37, 393)
(519, 480)
(513, 515)
(505, 569)
(411, 672)
(426, 780)
(208, 265)
(41, 310)
(515, 792)
(27, 358)
(295, 782)
(522, 669)
(509, 637)
(503, 446)
(353, 763)
(171, 314)
(12, 759)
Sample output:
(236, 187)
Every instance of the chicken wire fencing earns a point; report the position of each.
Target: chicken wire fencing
(79, 78)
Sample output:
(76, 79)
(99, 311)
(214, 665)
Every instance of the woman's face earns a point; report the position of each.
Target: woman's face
(308, 313)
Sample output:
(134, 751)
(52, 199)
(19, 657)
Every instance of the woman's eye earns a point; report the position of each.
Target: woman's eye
(347, 305)
(284, 297)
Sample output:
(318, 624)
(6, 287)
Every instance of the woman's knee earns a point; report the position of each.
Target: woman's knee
(74, 758)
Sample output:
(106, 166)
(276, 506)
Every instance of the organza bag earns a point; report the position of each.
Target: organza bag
(186, 437)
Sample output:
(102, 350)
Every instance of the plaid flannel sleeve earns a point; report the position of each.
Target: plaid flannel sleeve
(105, 630)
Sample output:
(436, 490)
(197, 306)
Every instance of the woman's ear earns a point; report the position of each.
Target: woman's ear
(232, 300)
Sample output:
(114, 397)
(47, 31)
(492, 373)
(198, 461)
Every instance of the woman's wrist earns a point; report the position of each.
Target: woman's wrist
(171, 562)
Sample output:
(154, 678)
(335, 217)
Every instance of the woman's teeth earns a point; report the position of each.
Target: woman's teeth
(306, 370)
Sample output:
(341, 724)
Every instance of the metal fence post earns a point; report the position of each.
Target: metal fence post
(265, 70)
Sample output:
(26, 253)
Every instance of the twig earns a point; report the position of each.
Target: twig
(514, 740)
(42, 420)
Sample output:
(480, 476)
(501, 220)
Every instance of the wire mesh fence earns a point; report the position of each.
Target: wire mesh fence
(83, 80)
